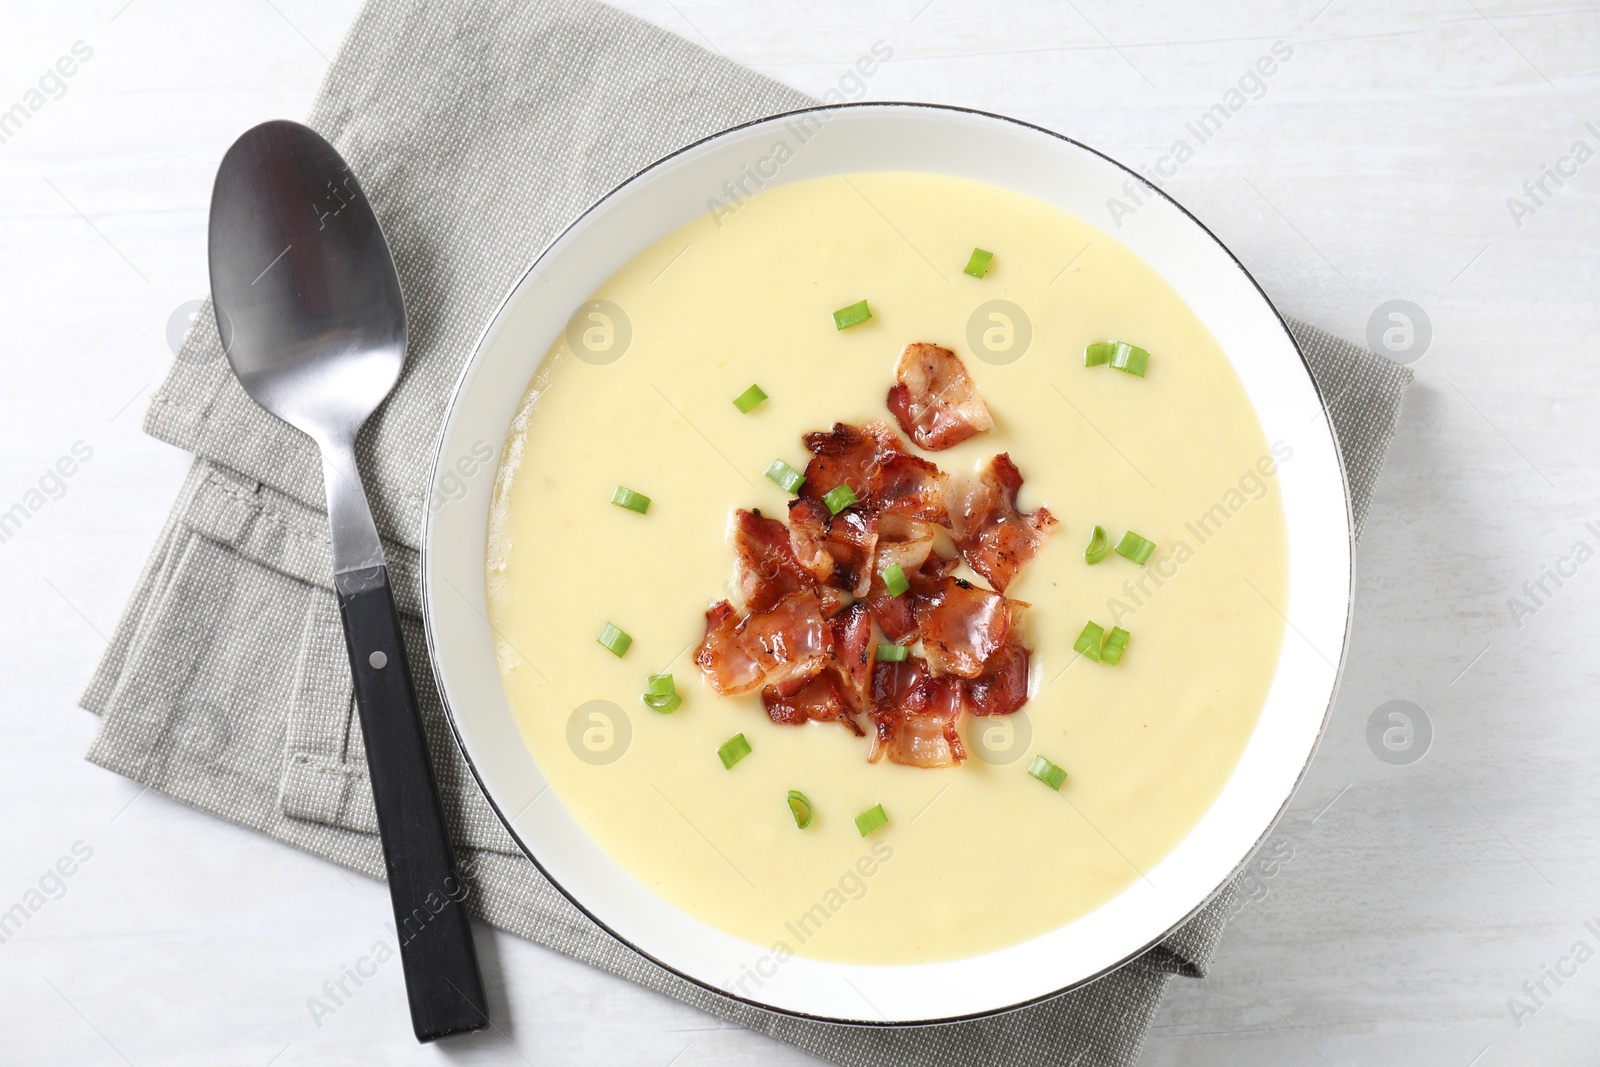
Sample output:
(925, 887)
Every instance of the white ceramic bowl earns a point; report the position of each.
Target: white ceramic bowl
(1003, 152)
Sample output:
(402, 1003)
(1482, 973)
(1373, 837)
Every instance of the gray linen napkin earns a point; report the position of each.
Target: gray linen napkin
(480, 129)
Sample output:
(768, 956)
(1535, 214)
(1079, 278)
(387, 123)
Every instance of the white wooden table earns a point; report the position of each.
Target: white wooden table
(1375, 164)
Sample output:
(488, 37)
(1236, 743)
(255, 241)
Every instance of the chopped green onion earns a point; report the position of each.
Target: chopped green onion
(615, 640)
(853, 315)
(1089, 641)
(1098, 546)
(895, 580)
(1115, 644)
(747, 400)
(661, 694)
(1047, 772)
(733, 750)
(800, 808)
(978, 265)
(892, 653)
(667, 707)
(1129, 358)
(1136, 548)
(838, 498)
(871, 819)
(623, 497)
(788, 479)
(1097, 354)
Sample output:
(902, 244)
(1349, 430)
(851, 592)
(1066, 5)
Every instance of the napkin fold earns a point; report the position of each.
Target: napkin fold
(480, 129)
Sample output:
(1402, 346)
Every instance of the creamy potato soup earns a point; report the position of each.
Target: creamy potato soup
(969, 855)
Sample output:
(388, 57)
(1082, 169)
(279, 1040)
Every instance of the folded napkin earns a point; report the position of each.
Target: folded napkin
(480, 129)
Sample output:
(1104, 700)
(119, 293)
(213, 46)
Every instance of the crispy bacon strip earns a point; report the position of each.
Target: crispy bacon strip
(817, 701)
(792, 642)
(852, 654)
(847, 455)
(995, 538)
(914, 716)
(1002, 688)
(873, 462)
(911, 486)
(934, 399)
(785, 647)
(767, 570)
(962, 626)
(727, 666)
(910, 543)
(840, 689)
(836, 549)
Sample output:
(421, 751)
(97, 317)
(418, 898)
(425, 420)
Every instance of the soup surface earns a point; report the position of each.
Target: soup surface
(638, 393)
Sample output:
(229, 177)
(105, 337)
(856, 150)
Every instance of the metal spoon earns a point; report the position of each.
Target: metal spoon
(311, 317)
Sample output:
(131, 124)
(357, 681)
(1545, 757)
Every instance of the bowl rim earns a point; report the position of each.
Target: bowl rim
(427, 592)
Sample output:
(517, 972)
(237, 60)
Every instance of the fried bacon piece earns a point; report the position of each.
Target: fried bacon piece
(994, 537)
(961, 626)
(817, 701)
(767, 570)
(791, 642)
(727, 666)
(852, 654)
(910, 543)
(1002, 688)
(911, 486)
(837, 549)
(785, 647)
(840, 688)
(848, 455)
(934, 400)
(914, 716)
(873, 462)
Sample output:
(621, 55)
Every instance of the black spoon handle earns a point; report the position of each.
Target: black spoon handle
(436, 950)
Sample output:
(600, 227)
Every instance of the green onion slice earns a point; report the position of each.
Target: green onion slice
(871, 819)
(667, 707)
(1097, 354)
(895, 580)
(838, 498)
(747, 400)
(1099, 546)
(623, 497)
(978, 265)
(788, 479)
(1089, 641)
(1136, 548)
(892, 653)
(853, 315)
(1129, 358)
(615, 640)
(1047, 772)
(1115, 644)
(661, 694)
(733, 750)
(800, 808)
